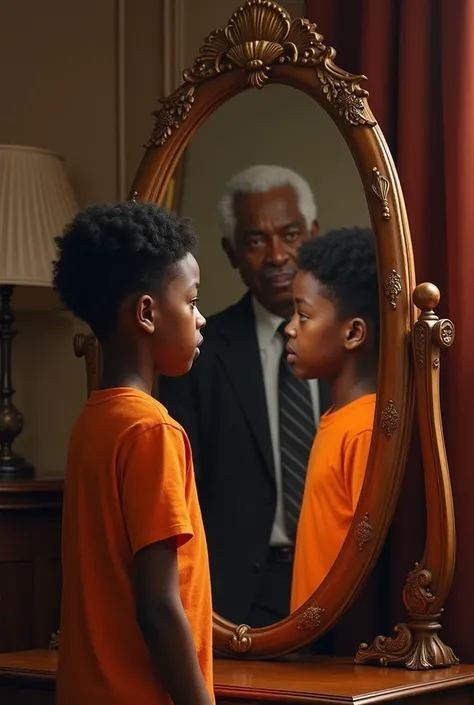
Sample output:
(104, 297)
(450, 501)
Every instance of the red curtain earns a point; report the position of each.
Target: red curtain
(419, 59)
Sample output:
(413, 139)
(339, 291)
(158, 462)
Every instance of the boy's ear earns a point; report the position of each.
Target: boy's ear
(229, 249)
(355, 333)
(147, 313)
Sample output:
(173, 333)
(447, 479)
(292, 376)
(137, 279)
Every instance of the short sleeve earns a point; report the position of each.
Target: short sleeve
(153, 487)
(355, 464)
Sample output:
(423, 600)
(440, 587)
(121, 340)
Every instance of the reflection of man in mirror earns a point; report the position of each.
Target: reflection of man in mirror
(241, 408)
(334, 335)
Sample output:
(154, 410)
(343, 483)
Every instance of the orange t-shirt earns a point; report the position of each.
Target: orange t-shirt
(336, 471)
(129, 483)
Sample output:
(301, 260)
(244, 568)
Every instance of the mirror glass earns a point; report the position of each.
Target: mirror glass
(251, 419)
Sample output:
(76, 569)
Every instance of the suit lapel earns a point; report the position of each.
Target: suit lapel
(239, 354)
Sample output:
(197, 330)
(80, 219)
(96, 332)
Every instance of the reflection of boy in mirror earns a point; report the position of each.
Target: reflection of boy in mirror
(235, 402)
(334, 335)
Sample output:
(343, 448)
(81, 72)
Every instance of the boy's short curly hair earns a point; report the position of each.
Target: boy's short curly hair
(112, 250)
(345, 262)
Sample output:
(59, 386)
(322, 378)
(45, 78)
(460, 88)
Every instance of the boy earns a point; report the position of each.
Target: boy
(136, 623)
(334, 335)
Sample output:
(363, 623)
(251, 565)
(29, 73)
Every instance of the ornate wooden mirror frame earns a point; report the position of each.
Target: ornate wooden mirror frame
(261, 45)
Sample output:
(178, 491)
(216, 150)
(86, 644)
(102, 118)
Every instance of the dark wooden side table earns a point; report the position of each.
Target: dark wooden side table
(30, 562)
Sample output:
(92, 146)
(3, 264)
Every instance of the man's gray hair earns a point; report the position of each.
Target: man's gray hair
(260, 179)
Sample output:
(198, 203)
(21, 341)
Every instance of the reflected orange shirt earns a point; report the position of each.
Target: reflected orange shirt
(336, 471)
(129, 483)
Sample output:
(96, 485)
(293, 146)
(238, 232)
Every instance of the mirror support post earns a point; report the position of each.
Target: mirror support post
(416, 643)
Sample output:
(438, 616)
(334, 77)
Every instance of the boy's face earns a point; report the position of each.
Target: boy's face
(319, 339)
(175, 321)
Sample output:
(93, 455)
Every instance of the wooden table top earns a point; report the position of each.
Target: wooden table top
(330, 680)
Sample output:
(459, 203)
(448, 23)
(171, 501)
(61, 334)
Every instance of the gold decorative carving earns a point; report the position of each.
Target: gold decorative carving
(310, 618)
(444, 333)
(344, 92)
(416, 593)
(240, 641)
(385, 649)
(258, 36)
(393, 287)
(381, 187)
(416, 645)
(390, 418)
(54, 641)
(363, 532)
(419, 340)
(175, 109)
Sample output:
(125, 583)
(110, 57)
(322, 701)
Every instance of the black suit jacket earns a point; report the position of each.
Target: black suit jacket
(221, 404)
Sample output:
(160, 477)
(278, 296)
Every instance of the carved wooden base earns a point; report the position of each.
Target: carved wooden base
(416, 645)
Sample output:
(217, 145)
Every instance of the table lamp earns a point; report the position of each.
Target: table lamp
(36, 202)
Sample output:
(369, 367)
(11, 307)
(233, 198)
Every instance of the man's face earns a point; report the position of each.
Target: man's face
(269, 231)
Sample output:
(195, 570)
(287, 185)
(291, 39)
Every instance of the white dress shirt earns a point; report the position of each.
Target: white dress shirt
(270, 344)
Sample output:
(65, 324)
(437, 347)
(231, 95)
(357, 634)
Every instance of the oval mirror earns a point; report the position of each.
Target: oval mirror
(265, 92)
(268, 188)
(271, 145)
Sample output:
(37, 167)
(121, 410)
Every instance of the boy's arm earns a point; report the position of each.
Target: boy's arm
(165, 626)
(152, 477)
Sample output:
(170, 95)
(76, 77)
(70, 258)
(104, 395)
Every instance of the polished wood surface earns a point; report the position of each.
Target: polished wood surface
(330, 681)
(29, 677)
(37, 664)
(30, 562)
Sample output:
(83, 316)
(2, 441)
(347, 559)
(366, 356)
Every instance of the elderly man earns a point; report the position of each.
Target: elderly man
(250, 421)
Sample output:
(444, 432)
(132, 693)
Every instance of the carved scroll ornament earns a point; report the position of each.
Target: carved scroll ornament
(260, 35)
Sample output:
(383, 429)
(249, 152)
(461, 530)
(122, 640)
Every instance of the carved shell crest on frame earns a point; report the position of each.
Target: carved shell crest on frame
(259, 35)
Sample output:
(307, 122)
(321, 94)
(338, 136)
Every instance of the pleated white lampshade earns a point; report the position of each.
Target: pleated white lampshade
(36, 202)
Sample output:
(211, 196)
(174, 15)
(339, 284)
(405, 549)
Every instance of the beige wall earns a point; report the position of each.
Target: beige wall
(74, 87)
(83, 77)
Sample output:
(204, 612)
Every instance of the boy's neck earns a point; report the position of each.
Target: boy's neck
(126, 368)
(352, 384)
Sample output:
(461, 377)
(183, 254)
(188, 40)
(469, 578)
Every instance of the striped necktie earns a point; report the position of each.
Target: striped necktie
(297, 431)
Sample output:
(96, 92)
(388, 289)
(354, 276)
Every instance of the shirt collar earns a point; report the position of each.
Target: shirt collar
(266, 323)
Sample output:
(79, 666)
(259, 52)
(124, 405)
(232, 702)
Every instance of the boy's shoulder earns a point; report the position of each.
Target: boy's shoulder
(360, 419)
(129, 412)
(355, 419)
(151, 413)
